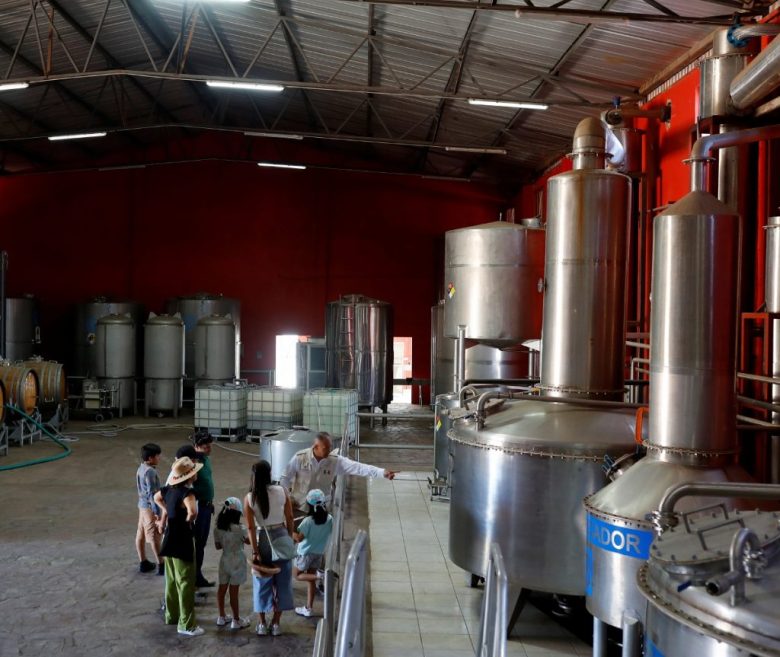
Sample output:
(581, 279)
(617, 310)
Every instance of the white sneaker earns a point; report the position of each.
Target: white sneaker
(222, 621)
(239, 623)
(304, 611)
(262, 629)
(276, 630)
(195, 631)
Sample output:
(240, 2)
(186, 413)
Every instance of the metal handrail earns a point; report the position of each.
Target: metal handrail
(493, 620)
(351, 637)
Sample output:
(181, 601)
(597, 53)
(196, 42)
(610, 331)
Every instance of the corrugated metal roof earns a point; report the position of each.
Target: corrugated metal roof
(409, 58)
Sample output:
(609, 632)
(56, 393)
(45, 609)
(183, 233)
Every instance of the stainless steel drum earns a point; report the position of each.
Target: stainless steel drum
(115, 346)
(23, 331)
(520, 482)
(163, 363)
(278, 447)
(215, 350)
(490, 266)
(711, 588)
(359, 343)
(87, 316)
(192, 309)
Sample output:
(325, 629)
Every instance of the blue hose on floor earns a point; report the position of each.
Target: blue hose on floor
(49, 434)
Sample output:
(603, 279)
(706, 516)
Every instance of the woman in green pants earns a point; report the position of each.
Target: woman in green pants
(179, 510)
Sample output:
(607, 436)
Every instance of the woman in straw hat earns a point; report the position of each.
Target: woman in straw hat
(179, 510)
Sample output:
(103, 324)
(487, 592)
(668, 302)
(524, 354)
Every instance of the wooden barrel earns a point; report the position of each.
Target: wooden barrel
(51, 378)
(2, 402)
(21, 386)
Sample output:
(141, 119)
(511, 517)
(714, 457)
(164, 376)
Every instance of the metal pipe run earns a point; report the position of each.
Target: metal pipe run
(599, 638)
(632, 632)
(760, 78)
(719, 489)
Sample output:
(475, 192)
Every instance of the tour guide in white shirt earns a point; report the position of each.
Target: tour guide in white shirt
(316, 467)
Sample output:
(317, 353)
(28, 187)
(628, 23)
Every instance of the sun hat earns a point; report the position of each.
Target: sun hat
(234, 503)
(181, 470)
(315, 496)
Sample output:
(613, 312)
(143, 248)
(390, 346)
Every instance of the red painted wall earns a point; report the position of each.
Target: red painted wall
(283, 242)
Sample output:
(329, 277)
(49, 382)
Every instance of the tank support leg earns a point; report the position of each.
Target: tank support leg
(632, 645)
(599, 638)
(522, 598)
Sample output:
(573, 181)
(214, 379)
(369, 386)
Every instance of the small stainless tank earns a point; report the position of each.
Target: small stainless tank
(115, 345)
(87, 316)
(163, 363)
(716, 74)
(278, 447)
(215, 350)
(359, 344)
(691, 607)
(494, 265)
(194, 308)
(23, 331)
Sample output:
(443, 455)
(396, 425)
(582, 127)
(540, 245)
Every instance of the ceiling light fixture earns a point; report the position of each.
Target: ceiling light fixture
(274, 135)
(246, 86)
(475, 149)
(277, 165)
(8, 86)
(508, 103)
(77, 135)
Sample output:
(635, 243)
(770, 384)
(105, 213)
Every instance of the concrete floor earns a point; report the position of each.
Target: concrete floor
(69, 580)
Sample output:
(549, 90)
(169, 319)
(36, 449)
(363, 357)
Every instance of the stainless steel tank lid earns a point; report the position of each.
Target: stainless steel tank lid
(772, 222)
(165, 320)
(554, 429)
(303, 436)
(217, 320)
(116, 319)
(702, 540)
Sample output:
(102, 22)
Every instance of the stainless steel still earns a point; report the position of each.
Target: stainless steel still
(520, 482)
(115, 345)
(215, 350)
(359, 344)
(163, 363)
(711, 586)
(87, 316)
(585, 282)
(772, 299)
(23, 332)
(716, 73)
(490, 266)
(194, 308)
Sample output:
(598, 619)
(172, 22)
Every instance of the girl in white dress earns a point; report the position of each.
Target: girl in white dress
(230, 536)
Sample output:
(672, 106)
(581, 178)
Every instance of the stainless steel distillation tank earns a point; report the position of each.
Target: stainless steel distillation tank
(86, 319)
(520, 471)
(359, 348)
(163, 363)
(215, 350)
(692, 420)
(115, 363)
(712, 583)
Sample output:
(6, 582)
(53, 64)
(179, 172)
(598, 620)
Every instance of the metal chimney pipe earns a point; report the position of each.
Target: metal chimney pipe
(758, 80)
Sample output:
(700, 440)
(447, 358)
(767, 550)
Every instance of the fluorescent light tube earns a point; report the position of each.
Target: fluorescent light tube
(8, 86)
(276, 165)
(475, 149)
(508, 103)
(77, 135)
(274, 135)
(248, 86)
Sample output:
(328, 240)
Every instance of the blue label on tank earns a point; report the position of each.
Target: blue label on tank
(652, 649)
(588, 570)
(622, 540)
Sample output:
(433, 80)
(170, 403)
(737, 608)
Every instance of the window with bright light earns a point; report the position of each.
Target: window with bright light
(286, 360)
(402, 368)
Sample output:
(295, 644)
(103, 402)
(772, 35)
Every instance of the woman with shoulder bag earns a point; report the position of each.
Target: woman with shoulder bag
(269, 517)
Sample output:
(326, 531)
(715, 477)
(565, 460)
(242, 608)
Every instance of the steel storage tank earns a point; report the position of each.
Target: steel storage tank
(494, 265)
(692, 422)
(163, 363)
(359, 348)
(87, 316)
(715, 597)
(51, 379)
(503, 456)
(215, 350)
(194, 308)
(116, 357)
(21, 387)
(278, 447)
(23, 331)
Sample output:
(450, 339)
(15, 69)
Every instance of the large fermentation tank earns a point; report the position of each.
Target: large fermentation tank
(87, 316)
(116, 357)
(192, 309)
(359, 343)
(483, 362)
(503, 458)
(163, 363)
(692, 426)
(772, 298)
(23, 332)
(494, 265)
(711, 590)
(215, 350)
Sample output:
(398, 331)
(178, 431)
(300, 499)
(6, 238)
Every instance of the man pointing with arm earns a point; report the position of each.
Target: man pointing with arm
(316, 467)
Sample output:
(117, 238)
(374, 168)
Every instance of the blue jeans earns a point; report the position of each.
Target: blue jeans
(273, 593)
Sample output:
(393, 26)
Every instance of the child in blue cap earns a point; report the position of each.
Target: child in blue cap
(312, 537)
